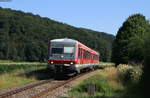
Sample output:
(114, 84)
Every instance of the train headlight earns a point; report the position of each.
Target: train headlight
(62, 56)
(71, 63)
(52, 62)
(66, 64)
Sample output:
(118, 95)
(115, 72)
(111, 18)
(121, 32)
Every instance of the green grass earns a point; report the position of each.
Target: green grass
(13, 80)
(3, 61)
(106, 64)
(107, 86)
(9, 68)
(103, 89)
(9, 62)
(13, 74)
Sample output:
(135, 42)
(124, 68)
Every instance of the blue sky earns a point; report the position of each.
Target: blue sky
(99, 15)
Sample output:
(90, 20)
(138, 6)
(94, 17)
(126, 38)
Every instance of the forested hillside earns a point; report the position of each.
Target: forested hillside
(24, 36)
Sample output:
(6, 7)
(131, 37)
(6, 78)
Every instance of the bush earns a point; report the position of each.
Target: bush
(129, 74)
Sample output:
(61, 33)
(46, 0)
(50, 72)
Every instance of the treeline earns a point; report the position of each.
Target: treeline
(24, 36)
(132, 46)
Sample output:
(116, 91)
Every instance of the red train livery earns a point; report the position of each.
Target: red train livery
(68, 55)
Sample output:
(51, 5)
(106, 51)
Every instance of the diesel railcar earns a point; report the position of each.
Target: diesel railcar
(69, 55)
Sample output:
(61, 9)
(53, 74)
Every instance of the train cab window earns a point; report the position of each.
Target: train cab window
(68, 49)
(57, 50)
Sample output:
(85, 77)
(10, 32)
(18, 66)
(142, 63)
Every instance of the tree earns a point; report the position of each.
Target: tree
(128, 45)
(4, 37)
(146, 70)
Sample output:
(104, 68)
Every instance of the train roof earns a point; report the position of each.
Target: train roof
(64, 40)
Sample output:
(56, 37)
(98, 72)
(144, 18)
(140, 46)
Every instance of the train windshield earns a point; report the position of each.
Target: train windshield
(68, 49)
(62, 50)
(57, 50)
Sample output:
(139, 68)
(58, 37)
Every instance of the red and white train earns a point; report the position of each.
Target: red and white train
(68, 55)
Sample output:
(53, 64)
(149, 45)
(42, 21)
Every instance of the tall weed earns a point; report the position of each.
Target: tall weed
(129, 74)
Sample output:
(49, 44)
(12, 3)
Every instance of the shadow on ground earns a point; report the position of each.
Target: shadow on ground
(41, 74)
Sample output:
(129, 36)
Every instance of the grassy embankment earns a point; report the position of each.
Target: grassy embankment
(106, 64)
(13, 74)
(111, 82)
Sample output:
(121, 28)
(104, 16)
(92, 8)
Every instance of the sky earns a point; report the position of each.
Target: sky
(99, 15)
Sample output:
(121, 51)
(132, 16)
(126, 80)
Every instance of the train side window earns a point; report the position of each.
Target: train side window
(80, 53)
(88, 54)
(84, 54)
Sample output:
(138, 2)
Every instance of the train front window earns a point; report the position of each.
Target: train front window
(57, 50)
(68, 49)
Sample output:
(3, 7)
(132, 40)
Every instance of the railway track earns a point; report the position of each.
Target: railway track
(50, 89)
(56, 85)
(18, 90)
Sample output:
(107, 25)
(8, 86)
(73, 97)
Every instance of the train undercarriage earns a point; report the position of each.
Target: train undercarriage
(62, 69)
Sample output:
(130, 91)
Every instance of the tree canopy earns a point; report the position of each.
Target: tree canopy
(128, 45)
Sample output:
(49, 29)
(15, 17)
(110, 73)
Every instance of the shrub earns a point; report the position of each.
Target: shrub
(129, 74)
